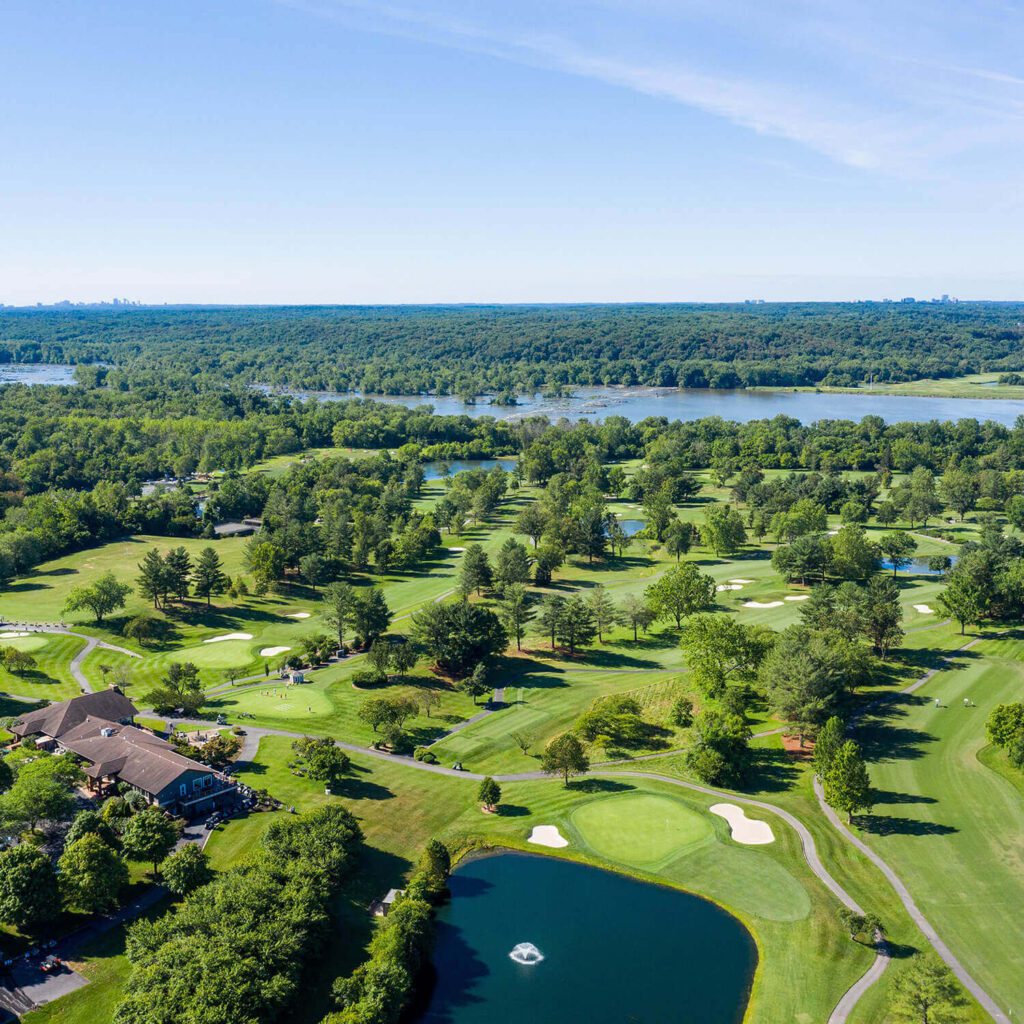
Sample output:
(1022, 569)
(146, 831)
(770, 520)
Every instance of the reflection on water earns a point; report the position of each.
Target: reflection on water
(587, 946)
(638, 403)
(36, 373)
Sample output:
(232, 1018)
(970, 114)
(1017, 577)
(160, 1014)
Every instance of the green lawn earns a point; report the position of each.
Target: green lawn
(639, 828)
(805, 962)
(950, 826)
(51, 678)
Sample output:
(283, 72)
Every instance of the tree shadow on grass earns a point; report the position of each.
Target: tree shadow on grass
(881, 825)
(604, 657)
(360, 789)
(883, 739)
(512, 811)
(378, 872)
(592, 785)
(425, 735)
(772, 771)
(886, 796)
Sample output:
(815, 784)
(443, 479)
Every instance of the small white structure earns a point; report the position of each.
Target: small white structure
(381, 908)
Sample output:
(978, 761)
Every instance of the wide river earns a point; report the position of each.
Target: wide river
(636, 404)
(614, 950)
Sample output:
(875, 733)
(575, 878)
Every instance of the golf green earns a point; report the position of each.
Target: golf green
(640, 829)
(27, 643)
(222, 654)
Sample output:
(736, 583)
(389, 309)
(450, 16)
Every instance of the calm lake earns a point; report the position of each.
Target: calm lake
(615, 951)
(36, 373)
(638, 403)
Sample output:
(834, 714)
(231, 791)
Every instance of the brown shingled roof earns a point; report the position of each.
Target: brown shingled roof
(110, 705)
(132, 754)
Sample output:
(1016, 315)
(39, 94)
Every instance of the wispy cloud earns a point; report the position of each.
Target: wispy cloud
(839, 79)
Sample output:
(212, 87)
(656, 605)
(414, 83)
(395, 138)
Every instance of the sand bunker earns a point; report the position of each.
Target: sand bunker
(762, 604)
(228, 636)
(740, 581)
(797, 597)
(547, 835)
(269, 652)
(456, 551)
(728, 586)
(924, 609)
(297, 615)
(744, 830)
(10, 635)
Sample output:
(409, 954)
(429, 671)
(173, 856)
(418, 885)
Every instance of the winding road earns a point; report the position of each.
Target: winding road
(91, 643)
(849, 999)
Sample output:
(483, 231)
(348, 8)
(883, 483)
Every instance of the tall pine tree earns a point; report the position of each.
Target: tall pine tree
(153, 578)
(209, 577)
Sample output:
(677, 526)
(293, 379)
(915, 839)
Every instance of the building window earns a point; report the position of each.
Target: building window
(183, 789)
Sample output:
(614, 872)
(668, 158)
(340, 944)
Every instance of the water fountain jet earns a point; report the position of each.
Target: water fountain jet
(526, 953)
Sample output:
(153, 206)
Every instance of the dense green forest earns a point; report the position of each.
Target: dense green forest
(473, 349)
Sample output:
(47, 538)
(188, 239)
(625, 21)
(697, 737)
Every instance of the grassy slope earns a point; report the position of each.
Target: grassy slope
(952, 828)
(400, 810)
(769, 888)
(51, 678)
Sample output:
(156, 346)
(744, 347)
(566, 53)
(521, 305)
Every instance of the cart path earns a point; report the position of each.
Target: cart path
(984, 999)
(250, 748)
(91, 643)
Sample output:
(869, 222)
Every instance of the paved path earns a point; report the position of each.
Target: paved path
(91, 643)
(250, 746)
(855, 992)
(986, 1001)
(954, 964)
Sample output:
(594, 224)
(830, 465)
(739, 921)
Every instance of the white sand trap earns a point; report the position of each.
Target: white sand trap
(297, 615)
(228, 636)
(762, 604)
(728, 586)
(744, 830)
(269, 652)
(924, 609)
(456, 551)
(797, 597)
(741, 582)
(547, 835)
(12, 635)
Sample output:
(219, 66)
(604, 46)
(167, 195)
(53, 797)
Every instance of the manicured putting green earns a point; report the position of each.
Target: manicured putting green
(638, 828)
(26, 643)
(224, 654)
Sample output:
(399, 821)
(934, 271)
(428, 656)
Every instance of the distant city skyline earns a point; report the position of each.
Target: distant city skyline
(364, 152)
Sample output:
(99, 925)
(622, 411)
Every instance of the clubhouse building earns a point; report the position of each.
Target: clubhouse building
(99, 728)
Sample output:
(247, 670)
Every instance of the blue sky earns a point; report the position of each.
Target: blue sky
(473, 150)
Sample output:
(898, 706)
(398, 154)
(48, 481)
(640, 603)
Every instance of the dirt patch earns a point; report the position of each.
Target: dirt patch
(791, 744)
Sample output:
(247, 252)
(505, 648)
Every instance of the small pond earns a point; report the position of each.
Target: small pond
(918, 566)
(631, 527)
(441, 470)
(614, 950)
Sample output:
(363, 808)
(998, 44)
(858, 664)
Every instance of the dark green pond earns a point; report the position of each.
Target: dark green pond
(616, 951)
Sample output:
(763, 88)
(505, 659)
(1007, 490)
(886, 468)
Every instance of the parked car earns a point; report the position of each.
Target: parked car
(51, 965)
